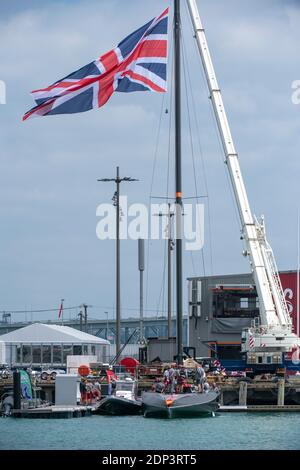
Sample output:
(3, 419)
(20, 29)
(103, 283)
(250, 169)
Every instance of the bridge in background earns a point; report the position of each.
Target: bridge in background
(105, 328)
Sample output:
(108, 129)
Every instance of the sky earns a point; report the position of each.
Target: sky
(49, 166)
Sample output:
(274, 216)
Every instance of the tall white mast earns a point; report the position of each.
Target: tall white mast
(273, 309)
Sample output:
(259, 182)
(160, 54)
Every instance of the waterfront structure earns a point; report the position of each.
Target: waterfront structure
(221, 306)
(49, 345)
(154, 327)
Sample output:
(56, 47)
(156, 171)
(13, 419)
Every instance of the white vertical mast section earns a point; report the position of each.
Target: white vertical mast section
(273, 310)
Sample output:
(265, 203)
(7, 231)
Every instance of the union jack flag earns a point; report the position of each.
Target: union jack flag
(138, 63)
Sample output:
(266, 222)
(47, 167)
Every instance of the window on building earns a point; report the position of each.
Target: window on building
(67, 351)
(57, 359)
(27, 356)
(104, 352)
(77, 350)
(234, 303)
(230, 351)
(194, 291)
(37, 354)
(46, 354)
(19, 354)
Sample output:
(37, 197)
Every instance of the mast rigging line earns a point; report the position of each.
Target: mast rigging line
(205, 180)
(170, 112)
(185, 68)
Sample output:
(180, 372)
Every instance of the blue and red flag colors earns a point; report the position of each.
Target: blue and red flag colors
(138, 63)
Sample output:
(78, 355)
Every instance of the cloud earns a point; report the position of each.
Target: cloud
(49, 166)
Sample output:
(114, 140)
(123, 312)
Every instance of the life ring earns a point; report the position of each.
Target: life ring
(83, 370)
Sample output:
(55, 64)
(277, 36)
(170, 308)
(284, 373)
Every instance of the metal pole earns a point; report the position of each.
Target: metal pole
(169, 288)
(17, 389)
(298, 272)
(178, 178)
(80, 320)
(106, 325)
(118, 287)
(141, 262)
(116, 200)
(62, 312)
(141, 306)
(85, 307)
(170, 249)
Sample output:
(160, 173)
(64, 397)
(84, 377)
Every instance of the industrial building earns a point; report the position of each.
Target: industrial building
(221, 306)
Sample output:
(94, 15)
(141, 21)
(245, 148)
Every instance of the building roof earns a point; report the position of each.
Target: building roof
(43, 333)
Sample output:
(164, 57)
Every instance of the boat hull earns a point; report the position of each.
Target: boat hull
(119, 406)
(189, 405)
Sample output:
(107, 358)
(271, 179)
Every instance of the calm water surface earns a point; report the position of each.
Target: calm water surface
(225, 431)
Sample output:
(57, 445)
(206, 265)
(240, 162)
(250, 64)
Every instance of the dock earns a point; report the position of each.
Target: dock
(55, 412)
(260, 408)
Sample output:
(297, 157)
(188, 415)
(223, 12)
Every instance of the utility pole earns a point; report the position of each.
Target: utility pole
(116, 200)
(61, 311)
(85, 308)
(80, 314)
(106, 313)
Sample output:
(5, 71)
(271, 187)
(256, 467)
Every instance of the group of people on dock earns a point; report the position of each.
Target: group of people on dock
(90, 391)
(176, 379)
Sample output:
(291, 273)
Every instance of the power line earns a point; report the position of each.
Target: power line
(38, 311)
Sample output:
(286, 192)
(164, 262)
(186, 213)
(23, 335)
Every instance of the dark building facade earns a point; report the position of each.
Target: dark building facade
(221, 306)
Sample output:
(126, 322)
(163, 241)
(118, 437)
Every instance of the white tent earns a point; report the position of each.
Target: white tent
(2, 353)
(48, 344)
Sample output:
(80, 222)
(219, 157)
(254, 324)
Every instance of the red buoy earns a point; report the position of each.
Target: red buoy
(83, 370)
(130, 364)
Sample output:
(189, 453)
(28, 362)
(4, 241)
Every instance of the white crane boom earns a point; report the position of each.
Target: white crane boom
(274, 316)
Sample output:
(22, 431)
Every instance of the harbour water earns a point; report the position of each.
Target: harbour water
(226, 431)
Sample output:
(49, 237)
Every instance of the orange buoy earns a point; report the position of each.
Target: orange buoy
(83, 370)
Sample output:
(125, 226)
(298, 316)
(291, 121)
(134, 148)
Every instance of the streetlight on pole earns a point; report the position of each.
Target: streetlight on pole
(116, 200)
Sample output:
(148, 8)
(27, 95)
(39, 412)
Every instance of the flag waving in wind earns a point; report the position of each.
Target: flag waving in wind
(138, 63)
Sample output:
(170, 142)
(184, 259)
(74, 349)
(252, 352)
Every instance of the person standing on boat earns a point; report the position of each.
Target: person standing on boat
(166, 378)
(158, 386)
(200, 377)
(83, 392)
(97, 390)
(182, 377)
(172, 379)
